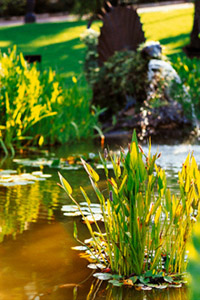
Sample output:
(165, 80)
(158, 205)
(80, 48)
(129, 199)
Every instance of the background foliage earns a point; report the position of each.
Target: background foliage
(18, 7)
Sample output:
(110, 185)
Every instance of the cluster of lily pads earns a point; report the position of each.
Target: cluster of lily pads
(11, 177)
(71, 162)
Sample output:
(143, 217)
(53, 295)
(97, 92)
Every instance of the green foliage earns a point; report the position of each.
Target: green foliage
(147, 228)
(48, 6)
(123, 75)
(20, 105)
(90, 39)
(18, 7)
(75, 119)
(12, 7)
(83, 7)
(28, 97)
(189, 72)
(194, 264)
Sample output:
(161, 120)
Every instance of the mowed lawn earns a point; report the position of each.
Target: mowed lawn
(60, 46)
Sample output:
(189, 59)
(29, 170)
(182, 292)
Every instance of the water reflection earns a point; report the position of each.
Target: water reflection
(100, 291)
(21, 205)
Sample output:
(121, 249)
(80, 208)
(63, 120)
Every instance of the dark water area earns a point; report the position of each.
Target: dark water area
(36, 259)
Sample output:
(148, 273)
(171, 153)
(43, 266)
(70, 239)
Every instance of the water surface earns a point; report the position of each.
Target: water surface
(37, 261)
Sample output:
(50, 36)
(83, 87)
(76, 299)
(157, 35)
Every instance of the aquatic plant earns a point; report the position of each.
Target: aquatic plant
(20, 106)
(146, 226)
(36, 107)
(75, 118)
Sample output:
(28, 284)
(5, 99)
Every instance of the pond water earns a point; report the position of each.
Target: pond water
(37, 261)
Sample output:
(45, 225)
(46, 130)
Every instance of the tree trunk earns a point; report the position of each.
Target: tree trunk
(30, 16)
(194, 37)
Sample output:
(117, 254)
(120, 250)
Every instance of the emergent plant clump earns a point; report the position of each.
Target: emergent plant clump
(146, 226)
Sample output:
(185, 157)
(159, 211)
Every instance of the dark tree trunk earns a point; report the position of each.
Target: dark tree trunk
(193, 49)
(194, 37)
(30, 16)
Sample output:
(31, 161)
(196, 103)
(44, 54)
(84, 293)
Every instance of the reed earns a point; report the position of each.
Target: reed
(146, 227)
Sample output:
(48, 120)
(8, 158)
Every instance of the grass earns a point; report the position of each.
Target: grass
(171, 28)
(61, 48)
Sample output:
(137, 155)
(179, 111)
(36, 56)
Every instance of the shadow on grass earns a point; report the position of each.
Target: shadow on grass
(178, 41)
(62, 54)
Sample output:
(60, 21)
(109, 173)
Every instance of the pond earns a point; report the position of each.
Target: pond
(37, 261)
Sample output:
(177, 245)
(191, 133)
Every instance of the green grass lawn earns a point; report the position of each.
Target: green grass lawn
(61, 48)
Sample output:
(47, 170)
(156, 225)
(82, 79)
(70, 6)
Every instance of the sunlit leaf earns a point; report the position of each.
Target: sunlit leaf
(65, 184)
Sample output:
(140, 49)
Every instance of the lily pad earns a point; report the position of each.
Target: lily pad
(115, 282)
(69, 208)
(11, 178)
(103, 276)
(79, 248)
(96, 217)
(72, 214)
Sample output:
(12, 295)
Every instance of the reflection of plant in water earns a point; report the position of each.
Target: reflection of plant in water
(123, 293)
(17, 211)
(111, 292)
(147, 227)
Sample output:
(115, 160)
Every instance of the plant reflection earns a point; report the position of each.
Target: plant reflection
(99, 291)
(22, 205)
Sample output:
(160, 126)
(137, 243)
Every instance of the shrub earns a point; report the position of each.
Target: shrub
(146, 227)
(123, 75)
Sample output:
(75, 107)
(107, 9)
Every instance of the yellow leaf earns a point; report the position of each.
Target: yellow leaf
(186, 68)
(41, 141)
(157, 215)
(74, 79)
(91, 172)
(65, 184)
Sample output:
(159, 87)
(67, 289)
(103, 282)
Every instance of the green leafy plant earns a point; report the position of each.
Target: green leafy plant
(36, 107)
(123, 75)
(75, 119)
(146, 227)
(189, 72)
(20, 106)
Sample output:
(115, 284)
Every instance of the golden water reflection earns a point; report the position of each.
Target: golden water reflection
(21, 205)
